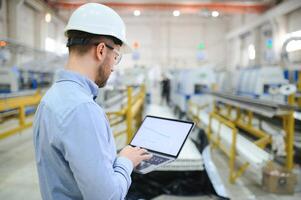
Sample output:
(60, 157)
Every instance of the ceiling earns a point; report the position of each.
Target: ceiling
(189, 7)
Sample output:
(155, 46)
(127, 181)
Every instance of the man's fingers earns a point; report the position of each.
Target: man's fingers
(143, 151)
(147, 156)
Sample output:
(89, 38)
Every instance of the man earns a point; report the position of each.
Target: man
(74, 146)
(165, 90)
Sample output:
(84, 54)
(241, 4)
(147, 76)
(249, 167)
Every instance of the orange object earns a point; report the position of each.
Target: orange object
(136, 45)
(2, 43)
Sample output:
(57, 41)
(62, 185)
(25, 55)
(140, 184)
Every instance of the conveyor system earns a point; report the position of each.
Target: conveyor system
(247, 106)
(246, 149)
(262, 107)
(257, 158)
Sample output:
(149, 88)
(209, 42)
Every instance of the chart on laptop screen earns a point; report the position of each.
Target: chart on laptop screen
(161, 135)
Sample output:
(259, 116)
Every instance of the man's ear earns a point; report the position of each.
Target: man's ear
(100, 51)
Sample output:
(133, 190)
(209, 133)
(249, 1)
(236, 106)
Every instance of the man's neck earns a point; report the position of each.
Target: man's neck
(81, 65)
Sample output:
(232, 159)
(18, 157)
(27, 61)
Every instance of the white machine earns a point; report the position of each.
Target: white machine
(9, 80)
(191, 84)
(262, 83)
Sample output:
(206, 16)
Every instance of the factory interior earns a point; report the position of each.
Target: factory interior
(233, 67)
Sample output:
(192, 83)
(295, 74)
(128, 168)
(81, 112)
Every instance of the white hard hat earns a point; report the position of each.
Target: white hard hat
(101, 20)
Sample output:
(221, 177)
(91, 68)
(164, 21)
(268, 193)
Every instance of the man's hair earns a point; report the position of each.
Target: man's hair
(81, 42)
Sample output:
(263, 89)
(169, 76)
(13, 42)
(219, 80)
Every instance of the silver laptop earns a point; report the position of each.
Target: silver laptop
(162, 137)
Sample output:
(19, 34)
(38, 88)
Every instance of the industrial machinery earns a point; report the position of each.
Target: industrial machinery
(9, 80)
(262, 83)
(193, 85)
(253, 112)
(15, 80)
(25, 73)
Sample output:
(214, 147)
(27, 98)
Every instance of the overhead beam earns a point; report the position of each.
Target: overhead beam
(239, 8)
(281, 9)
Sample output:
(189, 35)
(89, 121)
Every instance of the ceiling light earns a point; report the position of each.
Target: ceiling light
(293, 45)
(176, 13)
(215, 14)
(137, 13)
(48, 17)
(251, 52)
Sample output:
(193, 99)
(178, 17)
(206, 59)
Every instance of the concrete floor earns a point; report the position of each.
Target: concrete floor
(18, 175)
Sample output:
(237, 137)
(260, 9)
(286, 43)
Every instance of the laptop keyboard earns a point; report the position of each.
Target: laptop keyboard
(143, 165)
(156, 160)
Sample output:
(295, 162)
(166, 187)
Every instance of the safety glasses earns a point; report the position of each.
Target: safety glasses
(118, 55)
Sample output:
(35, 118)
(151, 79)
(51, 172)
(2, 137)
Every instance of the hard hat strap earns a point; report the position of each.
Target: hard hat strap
(78, 41)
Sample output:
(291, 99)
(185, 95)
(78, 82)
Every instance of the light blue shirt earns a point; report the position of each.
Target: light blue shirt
(74, 146)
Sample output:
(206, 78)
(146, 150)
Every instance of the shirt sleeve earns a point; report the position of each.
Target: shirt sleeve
(86, 148)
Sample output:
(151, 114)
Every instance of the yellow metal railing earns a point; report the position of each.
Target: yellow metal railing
(18, 103)
(244, 120)
(299, 89)
(231, 153)
(130, 115)
(193, 112)
(215, 136)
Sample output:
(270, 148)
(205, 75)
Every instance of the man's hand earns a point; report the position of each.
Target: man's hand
(135, 154)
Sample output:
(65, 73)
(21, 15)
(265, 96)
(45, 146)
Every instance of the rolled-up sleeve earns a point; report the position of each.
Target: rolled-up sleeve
(85, 144)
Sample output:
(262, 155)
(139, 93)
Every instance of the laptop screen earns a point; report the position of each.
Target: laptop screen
(162, 135)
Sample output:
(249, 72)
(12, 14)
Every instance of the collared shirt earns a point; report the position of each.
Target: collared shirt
(74, 146)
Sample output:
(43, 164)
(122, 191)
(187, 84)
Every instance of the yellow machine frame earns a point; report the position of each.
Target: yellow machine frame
(288, 124)
(243, 120)
(19, 103)
(216, 142)
(131, 114)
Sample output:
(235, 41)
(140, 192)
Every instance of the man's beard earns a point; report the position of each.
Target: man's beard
(101, 79)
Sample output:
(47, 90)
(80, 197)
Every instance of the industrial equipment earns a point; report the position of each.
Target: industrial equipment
(262, 83)
(9, 80)
(191, 84)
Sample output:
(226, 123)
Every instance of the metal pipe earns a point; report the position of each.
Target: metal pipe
(129, 121)
(191, 7)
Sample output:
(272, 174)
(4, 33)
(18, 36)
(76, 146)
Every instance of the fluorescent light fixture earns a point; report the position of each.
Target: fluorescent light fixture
(50, 44)
(292, 34)
(176, 13)
(215, 14)
(251, 52)
(137, 13)
(48, 17)
(293, 45)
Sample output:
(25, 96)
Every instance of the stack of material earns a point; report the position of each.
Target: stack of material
(258, 158)
(189, 159)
